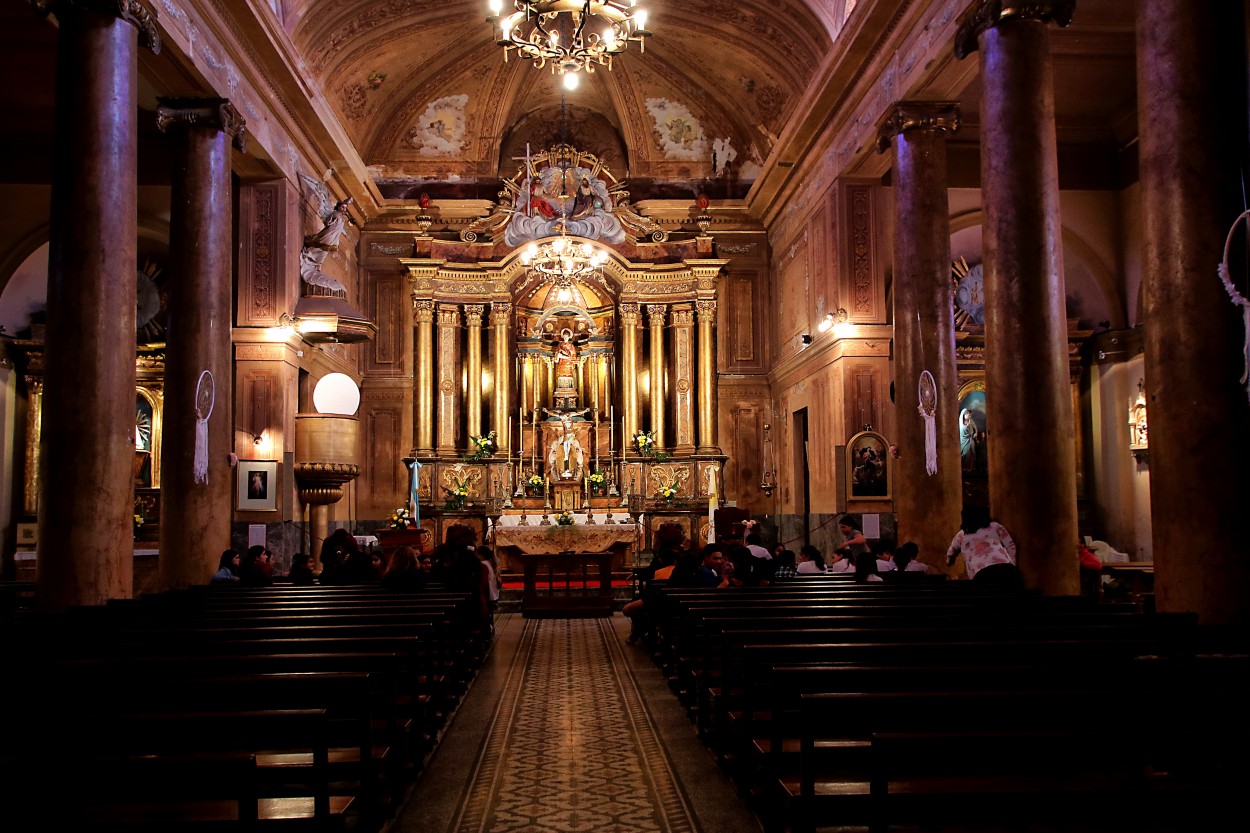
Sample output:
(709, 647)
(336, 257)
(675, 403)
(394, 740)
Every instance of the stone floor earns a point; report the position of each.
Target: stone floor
(568, 729)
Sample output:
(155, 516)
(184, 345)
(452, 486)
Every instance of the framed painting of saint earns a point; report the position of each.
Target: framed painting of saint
(867, 467)
(258, 486)
(972, 429)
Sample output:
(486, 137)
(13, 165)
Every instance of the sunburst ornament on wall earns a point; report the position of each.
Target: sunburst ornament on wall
(151, 304)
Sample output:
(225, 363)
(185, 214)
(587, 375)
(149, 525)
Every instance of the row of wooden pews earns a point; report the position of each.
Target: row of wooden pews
(948, 706)
(233, 708)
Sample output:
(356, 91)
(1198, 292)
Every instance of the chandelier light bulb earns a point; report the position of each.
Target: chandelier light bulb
(609, 39)
(496, 6)
(570, 80)
(640, 17)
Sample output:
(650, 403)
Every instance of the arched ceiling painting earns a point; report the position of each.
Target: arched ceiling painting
(426, 97)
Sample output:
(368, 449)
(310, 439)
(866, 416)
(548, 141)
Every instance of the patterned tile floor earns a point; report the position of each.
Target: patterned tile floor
(566, 732)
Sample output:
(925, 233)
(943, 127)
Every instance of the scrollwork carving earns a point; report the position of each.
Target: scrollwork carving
(216, 113)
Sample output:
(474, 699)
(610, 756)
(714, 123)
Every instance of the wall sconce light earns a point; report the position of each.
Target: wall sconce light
(838, 321)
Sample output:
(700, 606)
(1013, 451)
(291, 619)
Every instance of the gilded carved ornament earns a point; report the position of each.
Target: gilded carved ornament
(663, 475)
(992, 13)
(130, 11)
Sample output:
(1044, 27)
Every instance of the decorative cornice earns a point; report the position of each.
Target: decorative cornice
(213, 113)
(130, 11)
(992, 13)
(917, 115)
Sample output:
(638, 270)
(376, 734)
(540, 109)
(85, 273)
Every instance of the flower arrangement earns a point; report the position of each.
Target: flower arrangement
(481, 447)
(668, 491)
(401, 518)
(565, 518)
(535, 483)
(598, 480)
(457, 496)
(645, 443)
(139, 521)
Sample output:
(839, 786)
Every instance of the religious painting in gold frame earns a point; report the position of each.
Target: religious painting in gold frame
(868, 469)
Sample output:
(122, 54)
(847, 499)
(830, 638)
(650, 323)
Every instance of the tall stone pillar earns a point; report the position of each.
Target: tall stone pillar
(708, 443)
(655, 318)
(927, 504)
(683, 363)
(629, 374)
(1191, 142)
(197, 489)
(1032, 460)
(423, 314)
(473, 320)
(87, 450)
(448, 377)
(500, 318)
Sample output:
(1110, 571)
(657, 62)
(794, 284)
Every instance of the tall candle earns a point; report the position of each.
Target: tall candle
(611, 424)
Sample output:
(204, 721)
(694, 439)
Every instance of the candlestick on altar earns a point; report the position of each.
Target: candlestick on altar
(595, 414)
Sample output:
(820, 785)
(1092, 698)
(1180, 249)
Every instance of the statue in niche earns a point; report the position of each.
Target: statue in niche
(565, 458)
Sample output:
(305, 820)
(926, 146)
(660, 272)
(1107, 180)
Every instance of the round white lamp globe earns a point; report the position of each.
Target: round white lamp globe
(336, 393)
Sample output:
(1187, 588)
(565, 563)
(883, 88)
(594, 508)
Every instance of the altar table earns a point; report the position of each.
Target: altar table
(554, 539)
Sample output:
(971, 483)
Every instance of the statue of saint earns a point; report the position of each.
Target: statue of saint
(565, 458)
(566, 360)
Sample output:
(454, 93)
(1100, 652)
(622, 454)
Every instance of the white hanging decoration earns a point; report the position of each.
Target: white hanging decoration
(1238, 299)
(927, 395)
(205, 396)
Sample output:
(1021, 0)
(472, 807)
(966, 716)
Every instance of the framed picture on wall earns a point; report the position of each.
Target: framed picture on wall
(867, 467)
(258, 486)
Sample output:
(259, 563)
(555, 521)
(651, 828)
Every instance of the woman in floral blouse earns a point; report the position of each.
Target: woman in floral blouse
(988, 550)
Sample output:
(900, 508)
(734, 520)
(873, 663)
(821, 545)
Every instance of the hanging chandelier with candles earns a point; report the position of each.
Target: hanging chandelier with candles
(569, 35)
(561, 261)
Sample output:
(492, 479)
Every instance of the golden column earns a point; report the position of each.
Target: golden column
(629, 373)
(423, 313)
(500, 317)
(448, 376)
(707, 377)
(473, 318)
(683, 360)
(655, 317)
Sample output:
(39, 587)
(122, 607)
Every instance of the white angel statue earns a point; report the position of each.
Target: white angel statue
(318, 246)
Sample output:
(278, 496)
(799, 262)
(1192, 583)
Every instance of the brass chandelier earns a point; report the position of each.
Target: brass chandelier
(569, 35)
(561, 261)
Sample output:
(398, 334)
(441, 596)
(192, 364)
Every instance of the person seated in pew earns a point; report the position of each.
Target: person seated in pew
(988, 550)
(227, 568)
(784, 559)
(426, 564)
(811, 562)
(906, 559)
(639, 610)
(402, 574)
(257, 567)
(884, 553)
(842, 562)
(301, 573)
(866, 568)
(341, 559)
(494, 584)
(748, 571)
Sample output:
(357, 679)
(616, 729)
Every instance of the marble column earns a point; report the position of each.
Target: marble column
(629, 374)
(473, 320)
(88, 438)
(1032, 462)
(927, 504)
(683, 364)
(423, 381)
(448, 377)
(708, 442)
(1192, 139)
(196, 502)
(655, 319)
(500, 318)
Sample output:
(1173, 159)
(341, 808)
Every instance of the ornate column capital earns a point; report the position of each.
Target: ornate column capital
(423, 310)
(683, 315)
(473, 314)
(917, 115)
(628, 314)
(213, 113)
(655, 314)
(500, 313)
(448, 315)
(130, 11)
(992, 13)
(707, 311)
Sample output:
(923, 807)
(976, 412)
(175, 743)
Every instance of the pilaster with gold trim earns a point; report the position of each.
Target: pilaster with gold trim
(683, 388)
(500, 318)
(423, 378)
(448, 375)
(708, 443)
(473, 320)
(655, 318)
(628, 314)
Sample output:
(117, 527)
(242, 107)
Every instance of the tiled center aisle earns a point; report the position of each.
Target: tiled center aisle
(569, 745)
